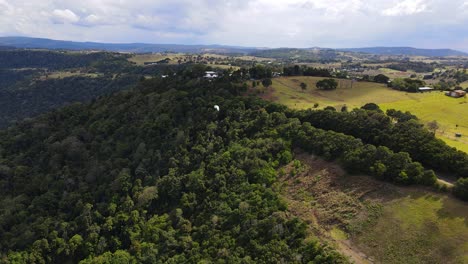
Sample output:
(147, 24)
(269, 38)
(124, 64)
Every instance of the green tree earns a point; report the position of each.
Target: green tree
(461, 189)
(433, 126)
(327, 84)
(380, 78)
(266, 82)
(303, 86)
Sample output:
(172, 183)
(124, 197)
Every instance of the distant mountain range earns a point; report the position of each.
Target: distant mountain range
(42, 43)
(408, 51)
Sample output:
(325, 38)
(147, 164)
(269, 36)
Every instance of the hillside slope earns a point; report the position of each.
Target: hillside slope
(154, 175)
(158, 175)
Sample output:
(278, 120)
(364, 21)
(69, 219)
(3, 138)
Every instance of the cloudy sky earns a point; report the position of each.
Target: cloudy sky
(261, 23)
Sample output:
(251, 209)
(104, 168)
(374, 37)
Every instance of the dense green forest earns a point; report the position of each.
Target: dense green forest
(54, 60)
(26, 89)
(395, 130)
(9, 77)
(411, 65)
(157, 175)
(41, 96)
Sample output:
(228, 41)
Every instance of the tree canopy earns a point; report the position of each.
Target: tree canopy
(327, 84)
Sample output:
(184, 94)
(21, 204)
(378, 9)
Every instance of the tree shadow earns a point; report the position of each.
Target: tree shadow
(453, 208)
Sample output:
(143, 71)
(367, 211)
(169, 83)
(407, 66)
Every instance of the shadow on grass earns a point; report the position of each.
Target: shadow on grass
(452, 209)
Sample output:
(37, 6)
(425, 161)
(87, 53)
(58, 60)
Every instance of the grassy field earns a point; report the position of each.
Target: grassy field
(447, 111)
(464, 84)
(65, 74)
(372, 221)
(140, 59)
(417, 227)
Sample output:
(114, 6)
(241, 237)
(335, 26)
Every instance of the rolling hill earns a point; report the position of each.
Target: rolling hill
(408, 51)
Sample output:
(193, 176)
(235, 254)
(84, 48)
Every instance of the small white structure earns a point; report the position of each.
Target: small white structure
(425, 89)
(211, 74)
(216, 107)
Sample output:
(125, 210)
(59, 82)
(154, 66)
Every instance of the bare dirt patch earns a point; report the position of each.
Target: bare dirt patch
(322, 194)
(268, 94)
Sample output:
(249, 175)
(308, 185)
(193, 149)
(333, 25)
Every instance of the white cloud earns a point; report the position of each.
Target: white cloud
(272, 23)
(64, 16)
(406, 7)
(92, 19)
(5, 7)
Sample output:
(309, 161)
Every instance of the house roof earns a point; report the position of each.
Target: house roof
(425, 88)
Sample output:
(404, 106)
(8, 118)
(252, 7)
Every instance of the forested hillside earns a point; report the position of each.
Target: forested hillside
(41, 96)
(34, 81)
(18, 58)
(157, 175)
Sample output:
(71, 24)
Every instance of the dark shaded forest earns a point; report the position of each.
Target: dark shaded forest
(27, 91)
(54, 60)
(42, 96)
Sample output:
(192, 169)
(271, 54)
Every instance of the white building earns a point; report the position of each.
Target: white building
(211, 74)
(425, 89)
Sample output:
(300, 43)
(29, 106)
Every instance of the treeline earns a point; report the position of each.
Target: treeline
(411, 65)
(357, 157)
(297, 70)
(406, 84)
(301, 55)
(259, 71)
(406, 135)
(53, 59)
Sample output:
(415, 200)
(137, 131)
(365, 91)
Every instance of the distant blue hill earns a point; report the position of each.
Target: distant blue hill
(42, 43)
(408, 51)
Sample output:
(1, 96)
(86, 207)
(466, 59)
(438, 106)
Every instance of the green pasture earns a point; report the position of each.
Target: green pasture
(418, 228)
(449, 112)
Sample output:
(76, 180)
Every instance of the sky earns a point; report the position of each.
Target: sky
(253, 23)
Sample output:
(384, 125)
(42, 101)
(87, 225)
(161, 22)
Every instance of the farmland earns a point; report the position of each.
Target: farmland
(65, 74)
(140, 59)
(448, 112)
(445, 110)
(214, 60)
